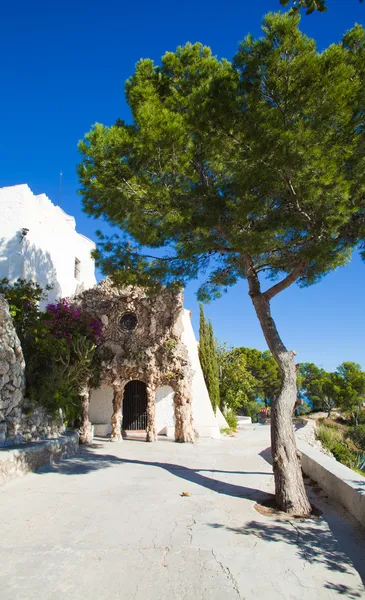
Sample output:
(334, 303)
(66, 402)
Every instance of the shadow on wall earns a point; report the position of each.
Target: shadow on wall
(361, 485)
(21, 259)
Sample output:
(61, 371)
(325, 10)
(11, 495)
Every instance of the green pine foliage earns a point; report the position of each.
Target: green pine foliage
(208, 359)
(357, 435)
(250, 379)
(309, 5)
(344, 389)
(261, 159)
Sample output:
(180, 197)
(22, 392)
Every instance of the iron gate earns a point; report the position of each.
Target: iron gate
(135, 406)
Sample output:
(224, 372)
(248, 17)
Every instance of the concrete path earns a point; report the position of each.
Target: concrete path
(111, 524)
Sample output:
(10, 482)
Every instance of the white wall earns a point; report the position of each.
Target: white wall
(47, 253)
(205, 422)
(101, 409)
(165, 411)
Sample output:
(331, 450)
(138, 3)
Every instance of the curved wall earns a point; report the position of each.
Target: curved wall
(165, 412)
(101, 409)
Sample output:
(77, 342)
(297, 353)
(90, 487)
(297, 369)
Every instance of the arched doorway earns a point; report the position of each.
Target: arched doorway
(135, 406)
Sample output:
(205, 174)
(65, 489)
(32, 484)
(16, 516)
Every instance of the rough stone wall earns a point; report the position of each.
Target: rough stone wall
(18, 422)
(21, 460)
(151, 352)
(33, 425)
(12, 379)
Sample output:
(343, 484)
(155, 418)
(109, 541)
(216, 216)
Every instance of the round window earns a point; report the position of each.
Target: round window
(128, 321)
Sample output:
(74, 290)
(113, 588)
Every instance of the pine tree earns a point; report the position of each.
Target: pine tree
(251, 169)
(208, 359)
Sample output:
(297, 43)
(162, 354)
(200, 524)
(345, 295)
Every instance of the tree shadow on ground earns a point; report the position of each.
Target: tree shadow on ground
(88, 461)
(266, 455)
(315, 544)
(317, 541)
(335, 532)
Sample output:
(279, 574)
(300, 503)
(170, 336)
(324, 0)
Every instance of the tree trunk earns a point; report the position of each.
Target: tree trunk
(116, 433)
(290, 492)
(85, 431)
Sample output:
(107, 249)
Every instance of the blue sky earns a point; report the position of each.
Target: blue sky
(63, 68)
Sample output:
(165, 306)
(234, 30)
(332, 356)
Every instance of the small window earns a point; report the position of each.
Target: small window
(77, 273)
(128, 321)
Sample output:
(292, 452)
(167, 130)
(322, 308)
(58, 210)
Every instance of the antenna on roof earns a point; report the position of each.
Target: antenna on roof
(60, 190)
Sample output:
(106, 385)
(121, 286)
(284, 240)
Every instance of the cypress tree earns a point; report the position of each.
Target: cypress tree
(214, 377)
(209, 359)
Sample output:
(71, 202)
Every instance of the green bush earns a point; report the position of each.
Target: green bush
(357, 435)
(344, 455)
(328, 436)
(304, 409)
(361, 417)
(332, 439)
(23, 298)
(330, 424)
(252, 409)
(59, 347)
(226, 431)
(231, 418)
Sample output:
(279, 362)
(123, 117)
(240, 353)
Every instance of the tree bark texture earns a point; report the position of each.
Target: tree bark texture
(151, 412)
(116, 433)
(290, 492)
(85, 431)
(184, 429)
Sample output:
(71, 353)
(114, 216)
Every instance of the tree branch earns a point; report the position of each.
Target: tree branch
(289, 279)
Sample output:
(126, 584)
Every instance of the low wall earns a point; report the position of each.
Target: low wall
(340, 482)
(30, 457)
(243, 421)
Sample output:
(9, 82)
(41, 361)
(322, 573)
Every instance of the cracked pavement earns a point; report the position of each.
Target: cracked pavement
(111, 523)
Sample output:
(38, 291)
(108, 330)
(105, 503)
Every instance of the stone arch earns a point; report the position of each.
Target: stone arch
(118, 386)
(135, 406)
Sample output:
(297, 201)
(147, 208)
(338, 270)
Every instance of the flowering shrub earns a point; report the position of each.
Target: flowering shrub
(59, 348)
(66, 321)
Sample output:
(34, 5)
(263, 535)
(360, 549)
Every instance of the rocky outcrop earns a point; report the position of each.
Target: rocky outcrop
(12, 365)
(32, 424)
(19, 422)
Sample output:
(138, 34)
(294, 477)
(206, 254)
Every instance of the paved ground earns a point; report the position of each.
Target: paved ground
(111, 524)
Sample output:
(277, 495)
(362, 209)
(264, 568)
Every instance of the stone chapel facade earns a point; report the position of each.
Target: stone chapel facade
(151, 379)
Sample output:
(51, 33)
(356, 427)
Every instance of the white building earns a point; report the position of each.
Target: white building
(39, 241)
